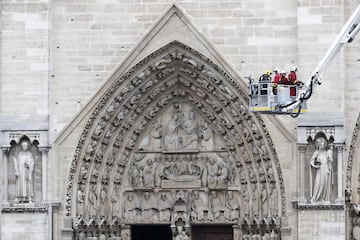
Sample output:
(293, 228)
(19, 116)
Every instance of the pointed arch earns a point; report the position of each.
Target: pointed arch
(352, 171)
(125, 112)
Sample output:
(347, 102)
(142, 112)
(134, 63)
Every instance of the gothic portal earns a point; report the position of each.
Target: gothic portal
(171, 142)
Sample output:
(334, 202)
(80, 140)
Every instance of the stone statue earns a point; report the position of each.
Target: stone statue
(165, 207)
(155, 136)
(92, 201)
(356, 228)
(207, 136)
(274, 235)
(190, 138)
(181, 134)
(212, 172)
(264, 201)
(217, 206)
(24, 168)
(198, 208)
(273, 201)
(148, 208)
(232, 204)
(148, 174)
(266, 236)
(174, 128)
(136, 180)
(181, 234)
(80, 199)
(115, 196)
(321, 167)
(131, 208)
(255, 197)
(82, 236)
(104, 201)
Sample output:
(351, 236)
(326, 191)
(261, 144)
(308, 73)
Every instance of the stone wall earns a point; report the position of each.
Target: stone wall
(25, 58)
(321, 224)
(25, 225)
(55, 54)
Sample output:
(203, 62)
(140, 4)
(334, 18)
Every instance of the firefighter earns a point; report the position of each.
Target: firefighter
(283, 79)
(293, 80)
(292, 75)
(277, 76)
(266, 77)
(276, 80)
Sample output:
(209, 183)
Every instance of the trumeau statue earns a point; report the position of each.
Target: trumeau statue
(181, 234)
(24, 168)
(321, 169)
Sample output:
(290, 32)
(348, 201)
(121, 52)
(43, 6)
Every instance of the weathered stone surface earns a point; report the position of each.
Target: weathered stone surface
(56, 56)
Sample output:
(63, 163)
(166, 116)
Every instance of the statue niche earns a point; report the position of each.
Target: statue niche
(24, 171)
(321, 170)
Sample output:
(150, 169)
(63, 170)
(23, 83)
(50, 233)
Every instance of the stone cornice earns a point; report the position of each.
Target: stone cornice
(30, 207)
(317, 206)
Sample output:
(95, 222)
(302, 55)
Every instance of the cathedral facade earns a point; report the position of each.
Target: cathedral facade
(129, 119)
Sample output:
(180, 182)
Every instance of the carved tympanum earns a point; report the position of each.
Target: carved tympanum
(175, 124)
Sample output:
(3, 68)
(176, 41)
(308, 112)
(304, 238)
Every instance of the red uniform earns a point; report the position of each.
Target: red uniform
(277, 78)
(292, 77)
(284, 80)
(292, 81)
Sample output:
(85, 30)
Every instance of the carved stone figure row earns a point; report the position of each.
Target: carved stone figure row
(214, 170)
(148, 207)
(259, 201)
(257, 236)
(101, 231)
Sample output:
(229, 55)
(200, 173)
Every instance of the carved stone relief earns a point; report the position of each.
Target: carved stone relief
(175, 122)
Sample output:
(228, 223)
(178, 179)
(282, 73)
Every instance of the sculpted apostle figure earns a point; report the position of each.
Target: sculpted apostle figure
(321, 165)
(174, 129)
(24, 167)
(190, 138)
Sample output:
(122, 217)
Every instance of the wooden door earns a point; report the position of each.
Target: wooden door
(212, 233)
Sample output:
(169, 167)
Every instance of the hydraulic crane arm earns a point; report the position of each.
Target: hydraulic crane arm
(347, 35)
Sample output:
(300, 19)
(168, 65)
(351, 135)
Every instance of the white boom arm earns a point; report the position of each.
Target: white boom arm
(347, 34)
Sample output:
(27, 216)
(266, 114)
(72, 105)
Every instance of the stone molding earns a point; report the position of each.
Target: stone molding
(301, 205)
(42, 207)
(351, 154)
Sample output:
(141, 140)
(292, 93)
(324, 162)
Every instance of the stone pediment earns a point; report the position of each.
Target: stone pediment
(168, 137)
(172, 26)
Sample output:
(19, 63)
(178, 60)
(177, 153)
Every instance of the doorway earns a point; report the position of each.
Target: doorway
(151, 232)
(212, 232)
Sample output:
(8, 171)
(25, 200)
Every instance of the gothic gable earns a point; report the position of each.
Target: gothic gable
(170, 132)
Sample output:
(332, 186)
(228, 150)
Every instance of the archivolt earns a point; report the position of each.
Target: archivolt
(174, 72)
(351, 158)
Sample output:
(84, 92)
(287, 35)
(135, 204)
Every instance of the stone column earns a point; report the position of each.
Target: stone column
(301, 166)
(44, 164)
(340, 197)
(5, 156)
